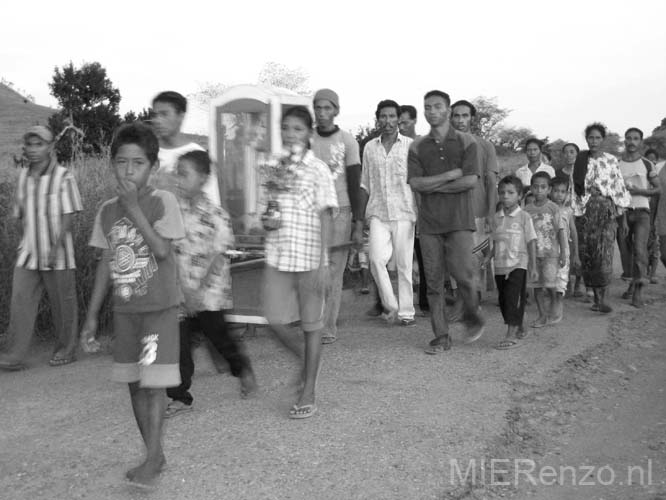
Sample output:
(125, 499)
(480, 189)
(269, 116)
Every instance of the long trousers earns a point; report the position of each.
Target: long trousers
(511, 289)
(27, 288)
(214, 326)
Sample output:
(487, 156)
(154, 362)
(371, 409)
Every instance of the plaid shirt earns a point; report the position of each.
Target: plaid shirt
(296, 245)
(40, 204)
(208, 234)
(384, 178)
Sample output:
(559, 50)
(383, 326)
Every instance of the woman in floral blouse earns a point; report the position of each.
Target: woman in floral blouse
(603, 197)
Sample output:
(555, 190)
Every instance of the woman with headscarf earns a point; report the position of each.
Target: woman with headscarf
(603, 197)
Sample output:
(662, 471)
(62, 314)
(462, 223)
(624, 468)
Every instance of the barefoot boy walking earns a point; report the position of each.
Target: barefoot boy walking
(135, 230)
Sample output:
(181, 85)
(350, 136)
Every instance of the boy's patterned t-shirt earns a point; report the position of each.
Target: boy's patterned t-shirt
(141, 283)
(547, 223)
(208, 234)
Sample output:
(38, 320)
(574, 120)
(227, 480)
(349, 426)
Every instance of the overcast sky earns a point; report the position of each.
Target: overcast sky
(558, 65)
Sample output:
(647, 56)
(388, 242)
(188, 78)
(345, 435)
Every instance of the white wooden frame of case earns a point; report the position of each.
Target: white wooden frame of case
(275, 98)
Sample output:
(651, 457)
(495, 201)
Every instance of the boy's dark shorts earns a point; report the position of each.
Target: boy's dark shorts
(146, 348)
(288, 292)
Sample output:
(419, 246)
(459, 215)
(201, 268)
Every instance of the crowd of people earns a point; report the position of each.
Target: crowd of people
(163, 242)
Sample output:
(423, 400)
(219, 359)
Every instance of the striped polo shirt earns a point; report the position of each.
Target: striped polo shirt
(40, 204)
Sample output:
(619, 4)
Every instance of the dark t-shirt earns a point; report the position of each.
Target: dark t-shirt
(141, 283)
(441, 213)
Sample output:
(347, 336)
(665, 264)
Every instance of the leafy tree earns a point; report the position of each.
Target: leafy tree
(555, 150)
(613, 143)
(511, 139)
(88, 101)
(365, 134)
(279, 75)
(489, 117)
(658, 139)
(206, 93)
(143, 116)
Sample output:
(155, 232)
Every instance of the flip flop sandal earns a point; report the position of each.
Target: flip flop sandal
(60, 361)
(437, 349)
(301, 412)
(11, 367)
(328, 339)
(508, 344)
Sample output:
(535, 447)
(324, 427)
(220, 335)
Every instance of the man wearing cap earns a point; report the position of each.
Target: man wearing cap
(46, 200)
(339, 150)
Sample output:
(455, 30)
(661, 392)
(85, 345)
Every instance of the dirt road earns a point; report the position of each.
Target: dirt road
(394, 423)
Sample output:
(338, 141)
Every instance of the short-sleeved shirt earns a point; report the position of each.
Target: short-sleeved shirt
(163, 177)
(661, 207)
(525, 174)
(441, 213)
(40, 204)
(207, 234)
(141, 283)
(339, 151)
(296, 245)
(488, 161)
(512, 233)
(566, 215)
(384, 178)
(638, 173)
(547, 223)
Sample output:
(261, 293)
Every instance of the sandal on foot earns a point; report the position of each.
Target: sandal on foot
(554, 321)
(328, 339)
(176, 407)
(595, 307)
(300, 412)
(539, 324)
(505, 344)
(61, 360)
(438, 345)
(605, 308)
(11, 366)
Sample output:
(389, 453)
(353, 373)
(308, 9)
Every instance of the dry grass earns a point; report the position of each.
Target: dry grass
(95, 183)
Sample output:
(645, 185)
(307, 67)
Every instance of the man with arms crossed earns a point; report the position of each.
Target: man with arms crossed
(443, 167)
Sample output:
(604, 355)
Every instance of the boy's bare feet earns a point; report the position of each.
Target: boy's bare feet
(248, 383)
(540, 322)
(146, 473)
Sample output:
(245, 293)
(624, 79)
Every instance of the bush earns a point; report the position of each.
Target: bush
(95, 182)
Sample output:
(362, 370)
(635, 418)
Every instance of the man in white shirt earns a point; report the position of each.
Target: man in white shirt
(533, 147)
(642, 182)
(168, 113)
(389, 206)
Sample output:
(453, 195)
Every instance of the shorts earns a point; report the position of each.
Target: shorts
(146, 348)
(286, 292)
(548, 269)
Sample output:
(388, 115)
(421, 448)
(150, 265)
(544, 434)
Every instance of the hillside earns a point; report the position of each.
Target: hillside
(17, 114)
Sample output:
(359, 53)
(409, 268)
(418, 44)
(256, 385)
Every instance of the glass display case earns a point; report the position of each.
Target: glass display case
(244, 128)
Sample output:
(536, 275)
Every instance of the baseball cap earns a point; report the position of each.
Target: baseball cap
(40, 131)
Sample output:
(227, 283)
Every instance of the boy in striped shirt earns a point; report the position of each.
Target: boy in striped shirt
(46, 200)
